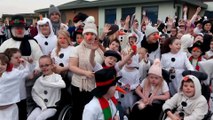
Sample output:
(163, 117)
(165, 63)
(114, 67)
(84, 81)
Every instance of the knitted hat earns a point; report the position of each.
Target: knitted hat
(113, 53)
(105, 78)
(113, 28)
(90, 27)
(80, 16)
(17, 21)
(90, 19)
(149, 30)
(53, 9)
(156, 68)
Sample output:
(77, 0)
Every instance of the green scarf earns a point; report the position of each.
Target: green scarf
(105, 107)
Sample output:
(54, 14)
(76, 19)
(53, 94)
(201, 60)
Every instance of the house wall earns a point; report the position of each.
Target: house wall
(69, 15)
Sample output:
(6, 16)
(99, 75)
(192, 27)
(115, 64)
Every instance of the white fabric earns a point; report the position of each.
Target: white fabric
(51, 39)
(93, 111)
(196, 107)
(180, 64)
(65, 59)
(143, 69)
(38, 114)
(10, 86)
(47, 88)
(209, 53)
(35, 54)
(77, 79)
(10, 113)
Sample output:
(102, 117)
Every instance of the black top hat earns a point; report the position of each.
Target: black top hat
(17, 21)
(113, 53)
(197, 44)
(80, 16)
(105, 78)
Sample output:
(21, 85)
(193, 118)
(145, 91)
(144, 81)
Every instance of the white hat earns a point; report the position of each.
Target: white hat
(90, 27)
(149, 30)
(133, 35)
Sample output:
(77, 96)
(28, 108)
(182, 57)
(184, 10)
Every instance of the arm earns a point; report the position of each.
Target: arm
(139, 92)
(136, 82)
(57, 83)
(73, 66)
(195, 15)
(164, 97)
(125, 59)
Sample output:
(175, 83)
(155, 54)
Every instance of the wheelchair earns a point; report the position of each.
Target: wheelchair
(205, 92)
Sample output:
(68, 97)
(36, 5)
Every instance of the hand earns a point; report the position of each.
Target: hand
(146, 101)
(36, 72)
(169, 22)
(57, 69)
(106, 28)
(198, 10)
(185, 9)
(127, 19)
(95, 45)
(89, 74)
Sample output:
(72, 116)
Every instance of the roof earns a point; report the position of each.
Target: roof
(105, 3)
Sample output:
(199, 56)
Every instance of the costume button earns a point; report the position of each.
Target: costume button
(173, 59)
(61, 64)
(46, 43)
(45, 92)
(61, 55)
(45, 100)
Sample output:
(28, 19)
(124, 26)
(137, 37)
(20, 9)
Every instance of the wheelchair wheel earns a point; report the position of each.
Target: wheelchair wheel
(66, 113)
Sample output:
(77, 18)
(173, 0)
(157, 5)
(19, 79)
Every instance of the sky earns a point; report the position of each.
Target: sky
(27, 6)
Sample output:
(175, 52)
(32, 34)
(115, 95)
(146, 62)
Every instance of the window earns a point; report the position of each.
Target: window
(110, 16)
(127, 11)
(151, 13)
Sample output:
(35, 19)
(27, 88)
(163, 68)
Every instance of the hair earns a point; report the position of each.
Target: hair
(117, 41)
(65, 34)
(184, 81)
(147, 86)
(11, 51)
(46, 57)
(5, 61)
(142, 48)
(166, 44)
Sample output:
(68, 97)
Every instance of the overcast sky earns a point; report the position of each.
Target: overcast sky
(27, 6)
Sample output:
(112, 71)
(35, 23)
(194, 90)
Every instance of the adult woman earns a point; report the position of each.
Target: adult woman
(83, 81)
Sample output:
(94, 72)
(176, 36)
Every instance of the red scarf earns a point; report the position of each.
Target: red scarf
(105, 107)
(197, 67)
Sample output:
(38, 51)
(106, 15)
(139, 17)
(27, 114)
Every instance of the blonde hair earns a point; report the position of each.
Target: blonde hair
(147, 87)
(66, 35)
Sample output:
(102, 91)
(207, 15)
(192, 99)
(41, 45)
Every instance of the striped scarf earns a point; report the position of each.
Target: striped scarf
(198, 60)
(105, 107)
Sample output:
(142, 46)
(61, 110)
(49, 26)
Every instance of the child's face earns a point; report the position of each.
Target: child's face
(3, 67)
(188, 89)
(79, 38)
(46, 66)
(16, 59)
(62, 40)
(110, 61)
(114, 46)
(154, 79)
(196, 53)
(175, 46)
(132, 40)
(142, 53)
(111, 91)
(211, 46)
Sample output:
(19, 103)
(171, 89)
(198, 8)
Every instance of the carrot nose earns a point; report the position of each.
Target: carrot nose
(89, 37)
(119, 89)
(121, 33)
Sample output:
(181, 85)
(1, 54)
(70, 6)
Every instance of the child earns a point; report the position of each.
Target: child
(144, 63)
(114, 45)
(46, 91)
(188, 103)
(9, 88)
(78, 36)
(103, 105)
(129, 81)
(196, 56)
(209, 53)
(175, 61)
(16, 60)
(153, 91)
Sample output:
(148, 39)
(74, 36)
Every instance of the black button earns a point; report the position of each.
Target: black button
(46, 43)
(45, 100)
(122, 95)
(184, 104)
(61, 64)
(61, 55)
(173, 59)
(45, 92)
(172, 76)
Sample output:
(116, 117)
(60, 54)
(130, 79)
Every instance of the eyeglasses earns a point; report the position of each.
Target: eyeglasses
(45, 65)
